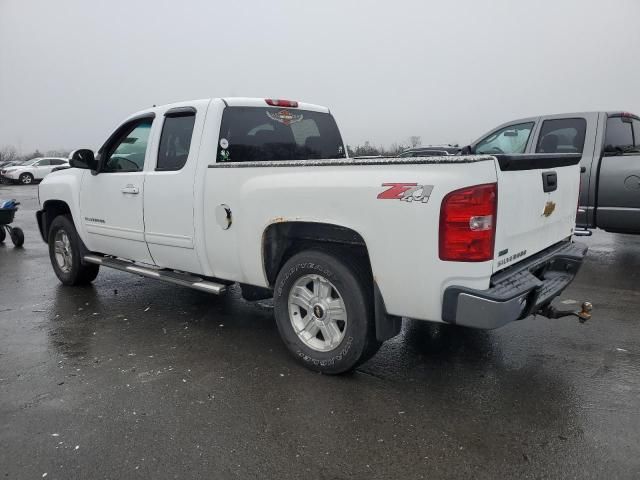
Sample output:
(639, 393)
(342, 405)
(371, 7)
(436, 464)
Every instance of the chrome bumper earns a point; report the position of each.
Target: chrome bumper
(517, 292)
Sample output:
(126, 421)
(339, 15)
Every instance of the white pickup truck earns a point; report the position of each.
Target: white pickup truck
(261, 193)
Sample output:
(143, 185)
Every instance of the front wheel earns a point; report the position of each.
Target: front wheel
(26, 179)
(65, 253)
(324, 311)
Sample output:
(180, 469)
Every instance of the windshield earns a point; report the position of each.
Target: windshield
(254, 134)
(510, 140)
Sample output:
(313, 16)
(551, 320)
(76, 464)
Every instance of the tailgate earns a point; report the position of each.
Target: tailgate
(537, 204)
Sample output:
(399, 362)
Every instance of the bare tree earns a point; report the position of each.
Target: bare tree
(415, 140)
(31, 155)
(57, 153)
(396, 148)
(8, 153)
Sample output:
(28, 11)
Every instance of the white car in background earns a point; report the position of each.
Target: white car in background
(32, 170)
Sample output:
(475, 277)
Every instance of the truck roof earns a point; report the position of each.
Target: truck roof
(262, 102)
(232, 102)
(572, 114)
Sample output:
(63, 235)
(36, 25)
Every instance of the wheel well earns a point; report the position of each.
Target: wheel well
(51, 209)
(281, 241)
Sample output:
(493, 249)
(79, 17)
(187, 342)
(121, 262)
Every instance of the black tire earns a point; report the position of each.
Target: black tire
(17, 236)
(3, 233)
(79, 272)
(26, 179)
(353, 282)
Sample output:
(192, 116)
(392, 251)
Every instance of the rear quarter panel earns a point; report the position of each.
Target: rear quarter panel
(401, 237)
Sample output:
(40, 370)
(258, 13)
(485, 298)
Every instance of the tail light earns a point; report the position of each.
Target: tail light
(281, 103)
(468, 224)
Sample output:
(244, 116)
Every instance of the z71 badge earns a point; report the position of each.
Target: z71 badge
(406, 192)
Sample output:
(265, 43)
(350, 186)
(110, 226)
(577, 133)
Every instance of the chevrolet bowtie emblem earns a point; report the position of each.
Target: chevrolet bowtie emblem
(549, 208)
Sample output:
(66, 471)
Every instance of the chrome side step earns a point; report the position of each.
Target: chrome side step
(582, 232)
(182, 279)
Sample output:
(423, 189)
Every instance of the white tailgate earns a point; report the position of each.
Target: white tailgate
(530, 220)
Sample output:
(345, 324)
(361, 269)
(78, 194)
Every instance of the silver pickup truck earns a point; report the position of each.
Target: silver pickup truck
(610, 146)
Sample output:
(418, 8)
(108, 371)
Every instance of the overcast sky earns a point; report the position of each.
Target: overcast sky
(447, 70)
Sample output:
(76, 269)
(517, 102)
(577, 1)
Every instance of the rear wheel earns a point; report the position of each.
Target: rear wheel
(324, 311)
(65, 253)
(26, 179)
(17, 236)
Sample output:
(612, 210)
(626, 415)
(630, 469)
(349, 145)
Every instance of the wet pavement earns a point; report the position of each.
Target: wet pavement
(132, 378)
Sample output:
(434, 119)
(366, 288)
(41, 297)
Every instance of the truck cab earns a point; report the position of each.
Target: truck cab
(609, 143)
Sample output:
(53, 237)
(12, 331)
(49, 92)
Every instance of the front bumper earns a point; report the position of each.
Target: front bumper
(10, 175)
(517, 292)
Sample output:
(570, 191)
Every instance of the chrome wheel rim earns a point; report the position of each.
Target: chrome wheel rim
(62, 250)
(317, 313)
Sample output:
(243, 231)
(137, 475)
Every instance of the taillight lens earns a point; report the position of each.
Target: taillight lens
(274, 102)
(468, 224)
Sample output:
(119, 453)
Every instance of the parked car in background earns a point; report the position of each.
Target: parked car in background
(609, 143)
(9, 163)
(5, 165)
(431, 151)
(32, 170)
(262, 193)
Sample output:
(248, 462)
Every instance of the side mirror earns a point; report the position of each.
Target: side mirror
(83, 158)
(467, 150)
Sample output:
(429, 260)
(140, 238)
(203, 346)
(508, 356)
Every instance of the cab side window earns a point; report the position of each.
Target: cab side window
(127, 150)
(563, 135)
(619, 136)
(508, 140)
(636, 133)
(175, 141)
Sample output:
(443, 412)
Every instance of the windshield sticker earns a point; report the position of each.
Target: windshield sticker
(224, 143)
(224, 156)
(284, 116)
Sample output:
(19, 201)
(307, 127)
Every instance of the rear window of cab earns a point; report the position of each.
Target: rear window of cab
(257, 134)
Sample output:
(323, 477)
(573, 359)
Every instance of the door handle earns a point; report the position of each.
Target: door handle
(549, 181)
(131, 190)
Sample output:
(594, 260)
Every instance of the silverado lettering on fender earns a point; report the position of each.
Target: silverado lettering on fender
(261, 193)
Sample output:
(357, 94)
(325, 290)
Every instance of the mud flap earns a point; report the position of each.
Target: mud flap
(387, 326)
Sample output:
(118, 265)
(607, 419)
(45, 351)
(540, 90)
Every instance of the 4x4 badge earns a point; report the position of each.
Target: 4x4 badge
(406, 192)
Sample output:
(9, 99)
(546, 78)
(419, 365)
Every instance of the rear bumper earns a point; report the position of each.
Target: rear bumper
(517, 292)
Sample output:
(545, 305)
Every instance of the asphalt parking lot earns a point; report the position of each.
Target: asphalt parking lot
(131, 378)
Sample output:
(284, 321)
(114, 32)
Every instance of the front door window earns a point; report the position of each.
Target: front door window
(127, 152)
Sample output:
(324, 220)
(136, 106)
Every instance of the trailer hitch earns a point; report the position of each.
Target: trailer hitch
(583, 314)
